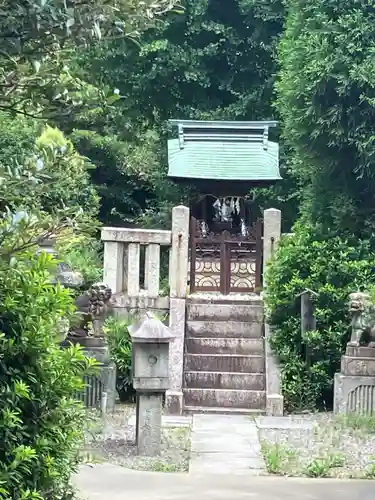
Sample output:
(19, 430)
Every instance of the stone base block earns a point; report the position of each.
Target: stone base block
(358, 366)
(354, 394)
(360, 352)
(174, 403)
(275, 405)
(100, 390)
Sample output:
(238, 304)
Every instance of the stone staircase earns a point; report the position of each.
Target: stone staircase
(224, 362)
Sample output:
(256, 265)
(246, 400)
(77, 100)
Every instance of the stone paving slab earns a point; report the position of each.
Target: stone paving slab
(232, 422)
(296, 431)
(284, 423)
(218, 463)
(110, 482)
(225, 443)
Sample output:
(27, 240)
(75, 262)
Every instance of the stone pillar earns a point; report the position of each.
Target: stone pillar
(178, 276)
(113, 274)
(132, 269)
(148, 429)
(152, 270)
(271, 239)
(271, 235)
(179, 260)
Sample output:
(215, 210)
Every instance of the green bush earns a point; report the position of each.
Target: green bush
(332, 268)
(120, 346)
(17, 136)
(41, 423)
(326, 103)
(83, 254)
(52, 181)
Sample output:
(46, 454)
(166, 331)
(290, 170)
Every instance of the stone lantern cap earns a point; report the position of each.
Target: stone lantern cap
(150, 330)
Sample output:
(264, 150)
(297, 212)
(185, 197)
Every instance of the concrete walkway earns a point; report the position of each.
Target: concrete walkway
(109, 482)
(225, 444)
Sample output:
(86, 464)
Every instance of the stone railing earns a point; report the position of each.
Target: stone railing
(122, 263)
(122, 273)
(122, 267)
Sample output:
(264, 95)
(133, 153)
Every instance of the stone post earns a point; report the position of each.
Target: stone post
(152, 270)
(151, 340)
(271, 239)
(178, 278)
(132, 269)
(113, 274)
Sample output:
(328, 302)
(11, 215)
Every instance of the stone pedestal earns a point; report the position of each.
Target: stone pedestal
(105, 381)
(354, 386)
(100, 391)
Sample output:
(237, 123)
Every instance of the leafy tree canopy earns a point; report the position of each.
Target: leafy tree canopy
(37, 36)
(326, 101)
(216, 60)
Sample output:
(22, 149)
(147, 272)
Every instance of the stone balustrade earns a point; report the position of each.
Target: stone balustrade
(122, 273)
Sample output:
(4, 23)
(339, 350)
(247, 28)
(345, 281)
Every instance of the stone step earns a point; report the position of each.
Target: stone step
(252, 313)
(224, 329)
(216, 298)
(225, 398)
(193, 410)
(224, 363)
(224, 346)
(220, 380)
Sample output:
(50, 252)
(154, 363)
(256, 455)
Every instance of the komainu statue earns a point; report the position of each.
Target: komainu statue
(93, 306)
(362, 311)
(99, 296)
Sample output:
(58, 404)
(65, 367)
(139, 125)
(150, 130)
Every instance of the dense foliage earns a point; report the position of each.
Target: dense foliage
(45, 191)
(215, 60)
(40, 420)
(39, 36)
(332, 268)
(326, 101)
(120, 346)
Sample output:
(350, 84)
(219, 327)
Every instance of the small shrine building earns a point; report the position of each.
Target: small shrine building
(224, 161)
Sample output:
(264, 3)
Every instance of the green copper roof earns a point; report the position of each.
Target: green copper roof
(233, 151)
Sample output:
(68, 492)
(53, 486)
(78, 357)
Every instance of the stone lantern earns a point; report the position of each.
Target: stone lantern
(65, 275)
(151, 339)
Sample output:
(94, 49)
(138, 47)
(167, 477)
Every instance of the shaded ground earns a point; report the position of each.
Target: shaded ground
(113, 441)
(115, 483)
(319, 445)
